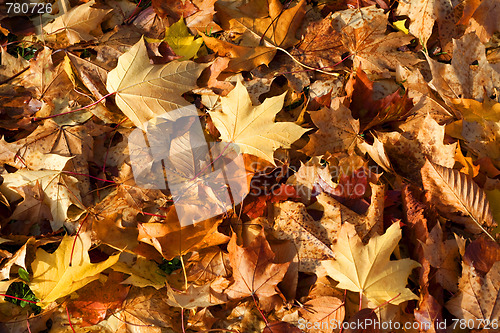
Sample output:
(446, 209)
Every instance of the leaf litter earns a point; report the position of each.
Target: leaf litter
(365, 135)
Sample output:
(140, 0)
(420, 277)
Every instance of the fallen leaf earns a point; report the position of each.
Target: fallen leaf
(171, 240)
(80, 23)
(96, 300)
(277, 28)
(242, 58)
(58, 274)
(443, 255)
(59, 188)
(143, 273)
(338, 130)
(252, 127)
(180, 40)
(423, 14)
(455, 192)
(323, 311)
(462, 78)
(254, 270)
(368, 269)
(477, 300)
(144, 91)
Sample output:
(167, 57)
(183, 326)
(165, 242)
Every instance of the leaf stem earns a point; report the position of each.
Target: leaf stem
(184, 272)
(304, 65)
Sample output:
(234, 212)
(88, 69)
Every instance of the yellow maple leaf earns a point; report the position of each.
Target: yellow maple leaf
(180, 40)
(56, 275)
(253, 128)
(368, 269)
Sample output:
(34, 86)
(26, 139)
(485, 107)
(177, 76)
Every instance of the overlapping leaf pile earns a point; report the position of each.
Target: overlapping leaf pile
(370, 137)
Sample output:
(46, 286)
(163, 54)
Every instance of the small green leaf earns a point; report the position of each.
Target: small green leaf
(23, 274)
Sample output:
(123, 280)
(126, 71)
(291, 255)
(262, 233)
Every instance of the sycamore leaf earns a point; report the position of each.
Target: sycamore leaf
(80, 23)
(368, 269)
(254, 270)
(144, 91)
(455, 192)
(180, 40)
(56, 275)
(252, 127)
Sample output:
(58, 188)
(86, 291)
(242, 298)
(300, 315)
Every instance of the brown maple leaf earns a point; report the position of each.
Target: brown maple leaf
(254, 270)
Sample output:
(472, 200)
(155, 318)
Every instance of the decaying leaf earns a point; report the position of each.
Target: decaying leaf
(478, 298)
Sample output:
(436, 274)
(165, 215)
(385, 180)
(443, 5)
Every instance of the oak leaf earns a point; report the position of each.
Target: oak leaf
(252, 127)
(367, 269)
(144, 91)
(80, 23)
(68, 269)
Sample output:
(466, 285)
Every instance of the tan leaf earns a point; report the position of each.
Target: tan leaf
(421, 139)
(325, 310)
(423, 14)
(478, 298)
(144, 91)
(278, 27)
(461, 78)
(455, 192)
(338, 130)
(243, 58)
(371, 48)
(171, 240)
(207, 264)
(80, 23)
(443, 255)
